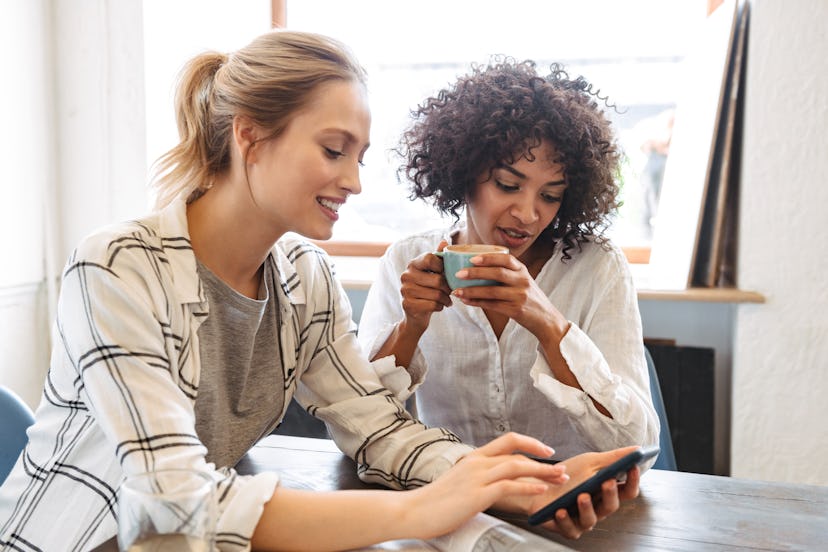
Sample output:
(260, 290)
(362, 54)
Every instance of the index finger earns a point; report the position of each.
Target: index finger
(494, 259)
(427, 262)
(512, 442)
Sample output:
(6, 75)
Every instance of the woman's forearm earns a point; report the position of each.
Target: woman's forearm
(339, 520)
(551, 347)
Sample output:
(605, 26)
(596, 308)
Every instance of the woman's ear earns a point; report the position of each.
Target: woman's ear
(245, 135)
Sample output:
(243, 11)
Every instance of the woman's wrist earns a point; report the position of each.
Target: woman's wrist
(401, 342)
(409, 513)
(553, 330)
(513, 504)
(411, 329)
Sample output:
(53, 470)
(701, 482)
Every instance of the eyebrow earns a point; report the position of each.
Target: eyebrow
(348, 135)
(519, 174)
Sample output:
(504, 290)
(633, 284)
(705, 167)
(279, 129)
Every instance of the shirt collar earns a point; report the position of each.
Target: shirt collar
(289, 278)
(175, 239)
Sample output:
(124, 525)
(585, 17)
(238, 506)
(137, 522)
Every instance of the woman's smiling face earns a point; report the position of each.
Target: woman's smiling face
(302, 177)
(515, 203)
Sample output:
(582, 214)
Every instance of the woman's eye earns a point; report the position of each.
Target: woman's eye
(506, 187)
(334, 154)
(552, 199)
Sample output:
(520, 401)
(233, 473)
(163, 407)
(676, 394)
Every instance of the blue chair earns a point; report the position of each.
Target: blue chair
(666, 457)
(15, 419)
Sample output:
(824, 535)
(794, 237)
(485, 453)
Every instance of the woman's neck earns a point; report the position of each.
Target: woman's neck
(226, 238)
(537, 256)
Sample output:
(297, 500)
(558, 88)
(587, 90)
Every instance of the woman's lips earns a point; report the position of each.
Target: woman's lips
(330, 207)
(513, 238)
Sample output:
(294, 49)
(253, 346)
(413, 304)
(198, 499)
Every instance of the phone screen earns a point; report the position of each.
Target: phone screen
(617, 469)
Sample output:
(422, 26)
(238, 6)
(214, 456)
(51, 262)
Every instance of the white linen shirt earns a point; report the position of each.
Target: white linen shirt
(119, 395)
(479, 386)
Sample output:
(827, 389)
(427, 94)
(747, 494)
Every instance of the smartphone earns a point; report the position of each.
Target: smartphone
(617, 469)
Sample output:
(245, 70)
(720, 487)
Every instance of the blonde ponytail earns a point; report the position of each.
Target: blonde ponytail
(189, 165)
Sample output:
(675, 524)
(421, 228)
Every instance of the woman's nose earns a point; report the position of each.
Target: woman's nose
(350, 180)
(524, 211)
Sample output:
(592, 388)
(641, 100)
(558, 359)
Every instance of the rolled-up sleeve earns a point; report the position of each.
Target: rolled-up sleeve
(365, 418)
(607, 359)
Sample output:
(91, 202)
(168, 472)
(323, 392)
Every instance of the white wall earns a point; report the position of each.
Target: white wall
(780, 370)
(99, 71)
(25, 147)
(73, 155)
(26, 155)
(24, 331)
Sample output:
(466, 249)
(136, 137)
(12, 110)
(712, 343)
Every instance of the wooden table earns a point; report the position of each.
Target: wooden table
(676, 510)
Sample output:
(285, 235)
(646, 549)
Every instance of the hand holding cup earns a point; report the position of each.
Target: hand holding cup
(457, 257)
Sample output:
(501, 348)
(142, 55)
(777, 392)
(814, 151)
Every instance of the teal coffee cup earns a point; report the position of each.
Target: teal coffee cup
(458, 257)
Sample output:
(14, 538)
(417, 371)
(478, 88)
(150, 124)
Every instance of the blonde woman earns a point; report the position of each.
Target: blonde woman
(184, 335)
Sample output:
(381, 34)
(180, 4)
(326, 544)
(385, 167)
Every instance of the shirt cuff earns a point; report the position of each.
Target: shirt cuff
(588, 366)
(563, 396)
(394, 378)
(241, 514)
(400, 380)
(585, 360)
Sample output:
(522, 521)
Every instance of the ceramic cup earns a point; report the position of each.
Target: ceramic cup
(458, 257)
(173, 509)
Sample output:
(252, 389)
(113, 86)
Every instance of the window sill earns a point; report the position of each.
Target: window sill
(635, 254)
(702, 295)
(356, 264)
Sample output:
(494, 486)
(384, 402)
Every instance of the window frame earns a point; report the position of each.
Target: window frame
(635, 254)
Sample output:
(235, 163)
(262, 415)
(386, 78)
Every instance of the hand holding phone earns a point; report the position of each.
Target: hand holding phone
(617, 470)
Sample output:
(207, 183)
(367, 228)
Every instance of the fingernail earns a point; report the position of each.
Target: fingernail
(476, 259)
(462, 273)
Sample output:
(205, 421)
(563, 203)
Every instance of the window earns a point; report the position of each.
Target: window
(631, 50)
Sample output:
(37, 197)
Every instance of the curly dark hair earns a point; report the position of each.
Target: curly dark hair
(500, 112)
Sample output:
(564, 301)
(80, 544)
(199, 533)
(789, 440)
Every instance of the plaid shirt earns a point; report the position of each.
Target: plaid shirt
(119, 395)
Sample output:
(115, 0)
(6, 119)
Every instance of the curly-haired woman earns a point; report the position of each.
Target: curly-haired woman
(528, 162)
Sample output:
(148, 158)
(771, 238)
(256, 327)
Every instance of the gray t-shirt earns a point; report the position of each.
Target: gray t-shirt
(241, 388)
